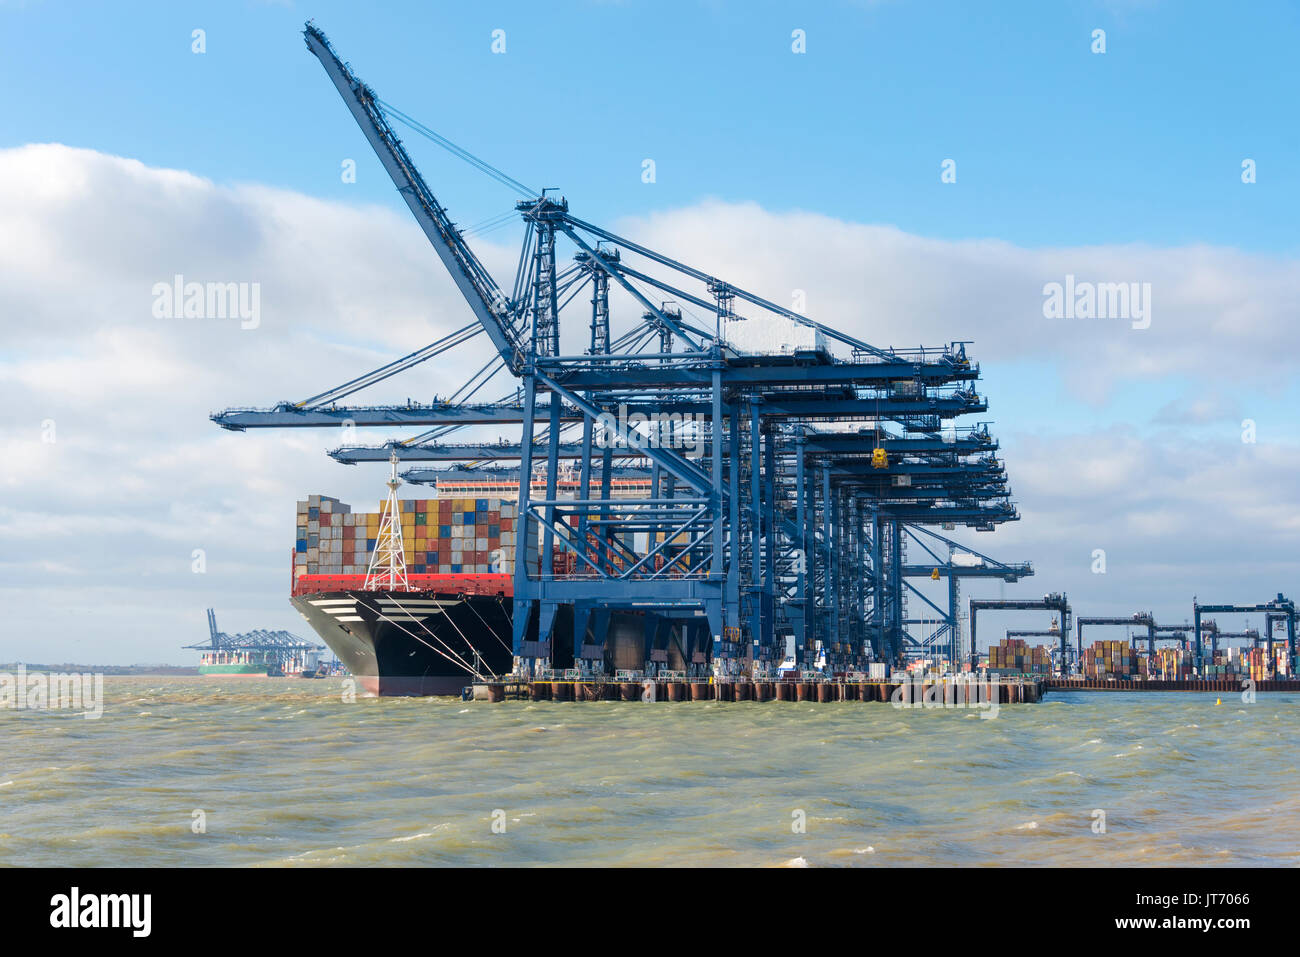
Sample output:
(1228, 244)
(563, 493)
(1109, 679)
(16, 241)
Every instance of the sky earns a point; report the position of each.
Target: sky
(922, 171)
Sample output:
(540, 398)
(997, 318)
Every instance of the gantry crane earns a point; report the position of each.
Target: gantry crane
(961, 561)
(1054, 601)
(785, 522)
(1141, 619)
(1279, 609)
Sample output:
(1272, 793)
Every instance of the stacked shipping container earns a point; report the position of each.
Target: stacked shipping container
(1227, 663)
(1171, 664)
(1014, 654)
(1118, 659)
(439, 536)
(1255, 662)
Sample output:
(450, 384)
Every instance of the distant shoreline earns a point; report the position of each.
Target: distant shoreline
(65, 668)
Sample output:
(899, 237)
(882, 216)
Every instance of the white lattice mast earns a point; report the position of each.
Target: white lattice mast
(387, 570)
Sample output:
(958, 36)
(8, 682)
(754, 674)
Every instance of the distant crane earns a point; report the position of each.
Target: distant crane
(1280, 609)
(1141, 619)
(1054, 601)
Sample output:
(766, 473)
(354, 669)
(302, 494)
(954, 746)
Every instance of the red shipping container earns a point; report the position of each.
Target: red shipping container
(349, 531)
(507, 524)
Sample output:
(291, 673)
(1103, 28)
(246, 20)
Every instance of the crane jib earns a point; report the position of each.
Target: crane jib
(484, 296)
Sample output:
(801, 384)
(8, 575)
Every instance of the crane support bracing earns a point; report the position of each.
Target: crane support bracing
(774, 470)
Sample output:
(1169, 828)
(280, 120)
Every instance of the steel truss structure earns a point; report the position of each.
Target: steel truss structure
(775, 489)
(1277, 611)
(283, 643)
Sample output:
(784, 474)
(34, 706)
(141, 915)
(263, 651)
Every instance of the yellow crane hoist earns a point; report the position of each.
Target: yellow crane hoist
(934, 575)
(879, 459)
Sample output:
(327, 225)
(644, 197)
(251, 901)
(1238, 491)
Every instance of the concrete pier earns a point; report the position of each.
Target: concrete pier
(1218, 685)
(950, 694)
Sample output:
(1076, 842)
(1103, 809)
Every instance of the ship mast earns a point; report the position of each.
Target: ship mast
(387, 571)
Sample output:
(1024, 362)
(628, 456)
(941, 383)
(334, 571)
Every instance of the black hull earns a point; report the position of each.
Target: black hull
(412, 643)
(384, 638)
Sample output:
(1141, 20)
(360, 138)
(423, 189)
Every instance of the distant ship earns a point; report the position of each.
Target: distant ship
(256, 654)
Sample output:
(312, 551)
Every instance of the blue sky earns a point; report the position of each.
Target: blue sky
(1054, 144)
(818, 171)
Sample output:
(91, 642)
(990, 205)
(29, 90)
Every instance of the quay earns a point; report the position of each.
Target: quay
(917, 693)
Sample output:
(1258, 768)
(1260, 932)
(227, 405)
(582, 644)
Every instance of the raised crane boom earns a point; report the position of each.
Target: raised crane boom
(478, 287)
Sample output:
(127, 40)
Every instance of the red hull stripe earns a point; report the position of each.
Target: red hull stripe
(503, 585)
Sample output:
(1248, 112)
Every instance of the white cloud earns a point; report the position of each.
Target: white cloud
(97, 529)
(1216, 312)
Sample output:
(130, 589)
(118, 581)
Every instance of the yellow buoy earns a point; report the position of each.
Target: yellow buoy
(1218, 701)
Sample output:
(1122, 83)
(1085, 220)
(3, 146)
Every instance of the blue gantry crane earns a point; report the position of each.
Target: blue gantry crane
(945, 559)
(1141, 619)
(1279, 610)
(260, 646)
(1053, 602)
(787, 461)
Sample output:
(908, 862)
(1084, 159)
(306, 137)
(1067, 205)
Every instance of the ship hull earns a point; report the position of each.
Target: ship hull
(438, 641)
(412, 643)
(234, 671)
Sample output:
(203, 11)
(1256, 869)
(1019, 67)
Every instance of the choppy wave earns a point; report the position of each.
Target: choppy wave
(283, 773)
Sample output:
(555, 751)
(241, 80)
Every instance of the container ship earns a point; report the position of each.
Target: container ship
(443, 621)
(259, 653)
